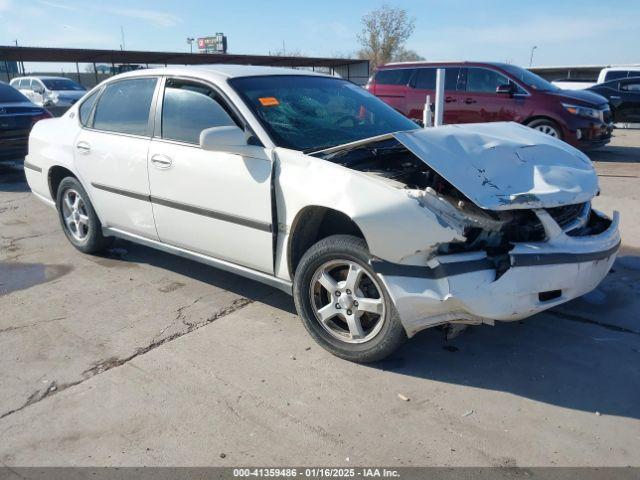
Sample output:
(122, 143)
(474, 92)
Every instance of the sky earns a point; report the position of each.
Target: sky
(566, 32)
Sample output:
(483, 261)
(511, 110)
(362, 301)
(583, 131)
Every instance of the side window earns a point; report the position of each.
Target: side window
(188, 109)
(36, 86)
(393, 76)
(483, 80)
(85, 109)
(425, 79)
(630, 87)
(615, 75)
(124, 106)
(451, 75)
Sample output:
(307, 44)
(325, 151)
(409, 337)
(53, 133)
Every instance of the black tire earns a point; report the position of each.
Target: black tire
(353, 249)
(94, 241)
(544, 124)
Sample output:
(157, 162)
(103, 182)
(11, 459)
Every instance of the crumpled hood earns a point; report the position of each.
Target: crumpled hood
(505, 165)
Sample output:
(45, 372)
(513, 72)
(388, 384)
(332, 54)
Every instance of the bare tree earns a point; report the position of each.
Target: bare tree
(384, 33)
(405, 55)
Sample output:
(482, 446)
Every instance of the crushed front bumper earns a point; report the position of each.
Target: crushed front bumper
(466, 287)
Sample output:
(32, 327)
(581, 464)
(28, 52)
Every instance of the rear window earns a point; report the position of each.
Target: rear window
(124, 106)
(85, 108)
(395, 76)
(11, 95)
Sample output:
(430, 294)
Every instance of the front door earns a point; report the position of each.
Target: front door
(481, 103)
(111, 155)
(214, 203)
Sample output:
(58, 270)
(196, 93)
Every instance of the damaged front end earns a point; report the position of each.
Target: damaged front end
(520, 201)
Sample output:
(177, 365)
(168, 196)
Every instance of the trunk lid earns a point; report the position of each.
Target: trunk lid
(505, 165)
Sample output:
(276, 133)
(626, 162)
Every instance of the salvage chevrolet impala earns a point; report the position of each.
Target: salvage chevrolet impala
(309, 183)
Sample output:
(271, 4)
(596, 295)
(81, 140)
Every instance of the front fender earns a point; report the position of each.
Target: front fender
(396, 227)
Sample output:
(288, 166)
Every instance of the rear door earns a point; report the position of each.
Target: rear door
(628, 110)
(211, 202)
(481, 103)
(391, 86)
(423, 83)
(111, 154)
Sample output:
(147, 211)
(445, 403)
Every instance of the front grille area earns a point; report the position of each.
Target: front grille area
(566, 214)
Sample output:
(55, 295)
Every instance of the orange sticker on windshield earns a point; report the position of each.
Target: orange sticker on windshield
(269, 101)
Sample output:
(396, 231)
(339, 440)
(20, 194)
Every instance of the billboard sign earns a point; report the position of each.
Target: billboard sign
(214, 44)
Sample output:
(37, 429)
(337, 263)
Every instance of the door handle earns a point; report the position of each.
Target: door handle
(449, 99)
(469, 101)
(83, 147)
(161, 161)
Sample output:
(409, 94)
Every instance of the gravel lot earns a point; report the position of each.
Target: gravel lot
(142, 358)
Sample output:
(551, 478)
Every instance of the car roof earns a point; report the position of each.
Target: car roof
(219, 71)
(445, 63)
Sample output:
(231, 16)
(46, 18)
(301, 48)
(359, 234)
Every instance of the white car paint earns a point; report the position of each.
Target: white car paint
(499, 167)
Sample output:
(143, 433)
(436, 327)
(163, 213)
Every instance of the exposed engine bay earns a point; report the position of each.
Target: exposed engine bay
(489, 230)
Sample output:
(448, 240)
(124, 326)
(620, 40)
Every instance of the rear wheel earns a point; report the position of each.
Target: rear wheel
(78, 218)
(343, 304)
(548, 127)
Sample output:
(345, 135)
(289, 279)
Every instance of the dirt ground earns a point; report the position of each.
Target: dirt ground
(143, 358)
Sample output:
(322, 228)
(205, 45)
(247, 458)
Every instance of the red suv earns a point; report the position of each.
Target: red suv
(493, 92)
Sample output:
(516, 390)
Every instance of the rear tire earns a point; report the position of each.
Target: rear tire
(546, 126)
(344, 305)
(78, 218)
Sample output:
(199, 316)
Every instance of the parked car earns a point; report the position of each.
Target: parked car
(17, 117)
(492, 92)
(624, 98)
(605, 75)
(49, 91)
(310, 184)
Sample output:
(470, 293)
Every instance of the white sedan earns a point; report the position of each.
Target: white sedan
(308, 183)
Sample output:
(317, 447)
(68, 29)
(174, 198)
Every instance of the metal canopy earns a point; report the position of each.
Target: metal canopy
(81, 55)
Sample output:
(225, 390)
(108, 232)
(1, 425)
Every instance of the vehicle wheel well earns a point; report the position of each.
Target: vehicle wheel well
(56, 175)
(311, 225)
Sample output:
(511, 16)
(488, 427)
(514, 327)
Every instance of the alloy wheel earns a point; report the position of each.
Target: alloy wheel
(347, 301)
(547, 129)
(74, 212)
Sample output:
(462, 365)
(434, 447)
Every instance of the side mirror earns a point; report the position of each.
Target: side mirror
(507, 88)
(230, 139)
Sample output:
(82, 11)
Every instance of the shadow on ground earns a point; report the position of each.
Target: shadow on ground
(616, 153)
(548, 358)
(572, 361)
(128, 252)
(12, 178)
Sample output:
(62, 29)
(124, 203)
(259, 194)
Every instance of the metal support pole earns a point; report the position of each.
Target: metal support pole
(439, 97)
(78, 72)
(6, 66)
(95, 72)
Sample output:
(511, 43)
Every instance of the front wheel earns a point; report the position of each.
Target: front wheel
(78, 218)
(548, 127)
(343, 303)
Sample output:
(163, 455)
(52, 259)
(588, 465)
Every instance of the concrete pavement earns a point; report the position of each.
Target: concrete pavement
(142, 358)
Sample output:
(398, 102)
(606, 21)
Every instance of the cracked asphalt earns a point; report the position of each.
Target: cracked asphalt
(142, 358)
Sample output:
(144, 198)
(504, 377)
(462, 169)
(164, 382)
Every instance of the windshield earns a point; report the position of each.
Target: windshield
(530, 79)
(312, 113)
(11, 95)
(61, 84)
